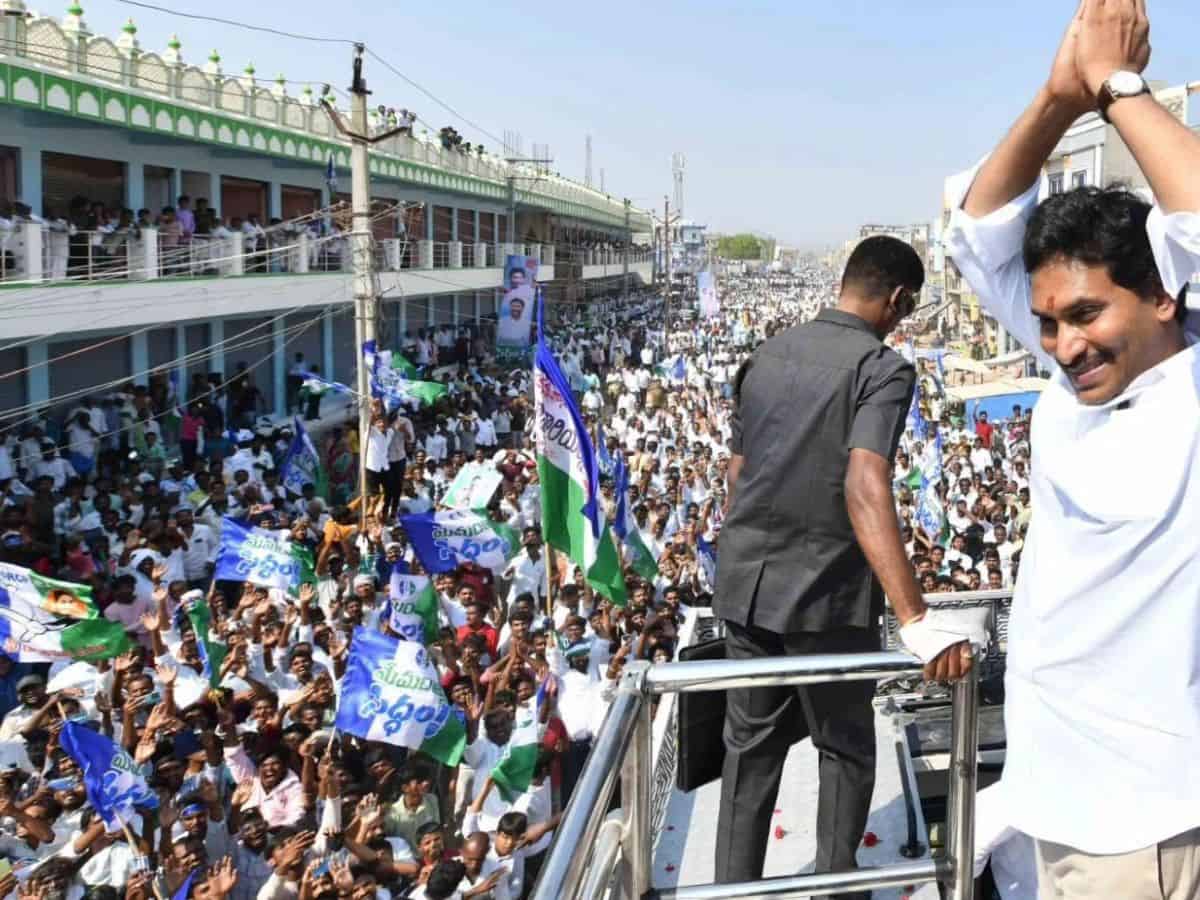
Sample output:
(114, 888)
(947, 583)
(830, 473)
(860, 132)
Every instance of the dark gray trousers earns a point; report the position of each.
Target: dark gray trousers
(761, 724)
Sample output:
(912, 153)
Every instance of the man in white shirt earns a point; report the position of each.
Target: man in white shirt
(527, 570)
(1093, 282)
(378, 438)
(955, 556)
(981, 457)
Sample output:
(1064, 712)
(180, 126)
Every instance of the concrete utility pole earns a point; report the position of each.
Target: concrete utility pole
(361, 251)
(667, 270)
(628, 242)
(364, 259)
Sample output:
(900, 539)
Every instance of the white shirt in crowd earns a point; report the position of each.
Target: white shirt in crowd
(377, 449)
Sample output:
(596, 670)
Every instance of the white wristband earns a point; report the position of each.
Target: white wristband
(941, 628)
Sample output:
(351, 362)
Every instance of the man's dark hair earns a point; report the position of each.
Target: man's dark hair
(495, 718)
(513, 824)
(428, 828)
(880, 264)
(1099, 227)
(444, 879)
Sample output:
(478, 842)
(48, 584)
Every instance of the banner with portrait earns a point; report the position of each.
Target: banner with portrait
(707, 291)
(515, 313)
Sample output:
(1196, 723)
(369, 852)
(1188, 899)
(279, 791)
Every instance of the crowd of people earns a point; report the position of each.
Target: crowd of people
(131, 503)
(92, 239)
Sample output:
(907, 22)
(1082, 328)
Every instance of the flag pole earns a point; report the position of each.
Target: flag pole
(133, 844)
(551, 566)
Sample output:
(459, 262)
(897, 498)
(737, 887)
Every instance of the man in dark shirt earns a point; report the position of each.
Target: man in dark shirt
(819, 412)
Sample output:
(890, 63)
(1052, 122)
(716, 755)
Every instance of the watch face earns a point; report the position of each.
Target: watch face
(1126, 83)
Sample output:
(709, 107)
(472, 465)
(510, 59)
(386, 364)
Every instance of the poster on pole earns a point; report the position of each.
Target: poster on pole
(706, 288)
(515, 314)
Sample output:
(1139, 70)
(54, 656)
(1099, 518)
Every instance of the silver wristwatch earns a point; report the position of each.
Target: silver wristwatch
(1119, 85)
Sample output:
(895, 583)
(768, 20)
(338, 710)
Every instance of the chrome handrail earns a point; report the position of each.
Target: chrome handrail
(627, 726)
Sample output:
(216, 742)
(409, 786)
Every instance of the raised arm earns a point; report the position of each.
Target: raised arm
(1115, 36)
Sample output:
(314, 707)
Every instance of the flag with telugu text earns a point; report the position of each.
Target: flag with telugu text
(391, 693)
(412, 610)
(570, 480)
(115, 784)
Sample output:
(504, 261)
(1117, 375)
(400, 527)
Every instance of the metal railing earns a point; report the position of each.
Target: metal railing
(588, 845)
(35, 253)
(998, 603)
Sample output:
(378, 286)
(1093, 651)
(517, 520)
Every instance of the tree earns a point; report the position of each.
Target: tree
(739, 246)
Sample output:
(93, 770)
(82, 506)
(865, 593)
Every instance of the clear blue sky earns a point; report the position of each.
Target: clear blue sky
(799, 118)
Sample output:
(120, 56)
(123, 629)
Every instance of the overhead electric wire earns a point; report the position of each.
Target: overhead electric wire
(217, 389)
(181, 361)
(298, 330)
(105, 341)
(318, 39)
(236, 24)
(443, 104)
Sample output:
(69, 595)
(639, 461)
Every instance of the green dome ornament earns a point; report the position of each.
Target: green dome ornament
(129, 28)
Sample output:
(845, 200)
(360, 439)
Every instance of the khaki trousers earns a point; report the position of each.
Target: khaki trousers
(1169, 870)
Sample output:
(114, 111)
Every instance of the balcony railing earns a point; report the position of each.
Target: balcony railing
(592, 848)
(33, 254)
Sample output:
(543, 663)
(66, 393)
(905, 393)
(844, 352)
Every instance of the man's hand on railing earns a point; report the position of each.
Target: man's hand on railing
(946, 640)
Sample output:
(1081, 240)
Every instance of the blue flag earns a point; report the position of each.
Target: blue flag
(330, 175)
(603, 457)
(256, 555)
(915, 421)
(706, 556)
(621, 490)
(391, 693)
(444, 539)
(302, 465)
(931, 515)
(115, 784)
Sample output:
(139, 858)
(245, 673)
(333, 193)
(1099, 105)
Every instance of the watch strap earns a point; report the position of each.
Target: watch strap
(1106, 97)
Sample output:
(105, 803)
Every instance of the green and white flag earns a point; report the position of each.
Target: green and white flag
(389, 382)
(302, 465)
(641, 560)
(43, 620)
(514, 772)
(401, 364)
(570, 481)
(412, 610)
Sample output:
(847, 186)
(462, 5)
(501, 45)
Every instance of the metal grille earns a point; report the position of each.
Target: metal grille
(999, 610)
(696, 629)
